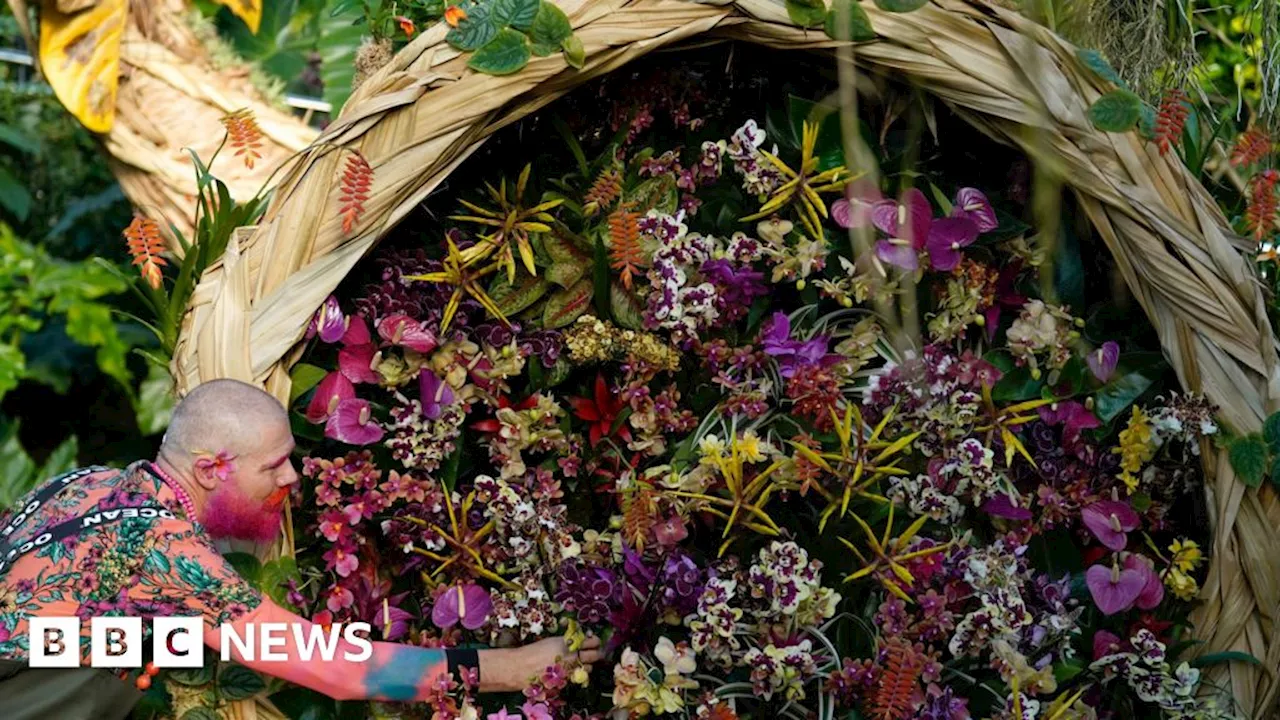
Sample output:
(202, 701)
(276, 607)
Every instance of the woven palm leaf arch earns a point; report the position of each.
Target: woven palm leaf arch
(420, 117)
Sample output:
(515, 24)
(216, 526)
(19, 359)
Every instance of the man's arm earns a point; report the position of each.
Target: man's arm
(394, 672)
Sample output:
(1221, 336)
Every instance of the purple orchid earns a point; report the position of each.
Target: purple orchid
(503, 715)
(1114, 590)
(794, 354)
(1110, 521)
(434, 393)
(467, 604)
(853, 211)
(536, 711)
(1102, 362)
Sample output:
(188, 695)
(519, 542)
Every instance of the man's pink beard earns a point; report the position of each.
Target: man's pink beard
(231, 514)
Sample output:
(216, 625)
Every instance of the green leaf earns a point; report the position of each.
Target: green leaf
(1248, 457)
(158, 563)
(19, 140)
(1147, 122)
(859, 24)
(549, 28)
(14, 196)
(13, 366)
(338, 43)
(627, 308)
(600, 280)
(518, 14)
(17, 469)
(1067, 669)
(1098, 63)
(275, 576)
(900, 6)
(1016, 385)
(1271, 432)
(566, 305)
(192, 677)
(246, 565)
(475, 31)
(1135, 373)
(154, 404)
(449, 478)
(62, 459)
(1117, 111)
(506, 53)
(1223, 657)
(1275, 469)
(302, 378)
(574, 53)
(565, 274)
(200, 712)
(806, 13)
(238, 682)
(511, 299)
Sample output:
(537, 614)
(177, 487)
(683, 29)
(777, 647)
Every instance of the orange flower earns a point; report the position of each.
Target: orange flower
(145, 246)
(356, 180)
(454, 14)
(406, 25)
(244, 135)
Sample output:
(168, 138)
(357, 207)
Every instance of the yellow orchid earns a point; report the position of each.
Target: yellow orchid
(742, 504)
(464, 542)
(458, 273)
(513, 223)
(1004, 420)
(802, 186)
(888, 557)
(860, 462)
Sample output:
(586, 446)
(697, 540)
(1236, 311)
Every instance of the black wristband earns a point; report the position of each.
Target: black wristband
(463, 658)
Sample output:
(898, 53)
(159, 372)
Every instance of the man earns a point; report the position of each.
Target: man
(223, 472)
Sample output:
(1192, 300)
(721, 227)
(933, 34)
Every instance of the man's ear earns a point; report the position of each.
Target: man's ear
(205, 476)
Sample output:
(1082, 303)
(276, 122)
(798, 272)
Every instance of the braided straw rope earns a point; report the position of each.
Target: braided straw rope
(418, 118)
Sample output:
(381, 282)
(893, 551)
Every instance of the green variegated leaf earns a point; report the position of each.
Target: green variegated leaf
(1248, 456)
(1117, 111)
(565, 274)
(240, 683)
(518, 14)
(511, 299)
(657, 193)
(566, 305)
(562, 250)
(627, 308)
(475, 31)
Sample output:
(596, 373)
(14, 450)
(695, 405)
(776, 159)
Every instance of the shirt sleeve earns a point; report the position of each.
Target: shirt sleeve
(367, 670)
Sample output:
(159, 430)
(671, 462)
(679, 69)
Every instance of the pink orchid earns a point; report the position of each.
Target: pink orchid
(402, 330)
(220, 465)
(972, 204)
(1114, 590)
(352, 423)
(1102, 362)
(1110, 521)
(504, 715)
(333, 525)
(854, 209)
(341, 561)
(331, 391)
(671, 531)
(339, 598)
(469, 604)
(328, 322)
(1153, 590)
(536, 711)
(434, 393)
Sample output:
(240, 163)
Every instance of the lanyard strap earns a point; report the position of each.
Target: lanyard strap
(65, 529)
(42, 496)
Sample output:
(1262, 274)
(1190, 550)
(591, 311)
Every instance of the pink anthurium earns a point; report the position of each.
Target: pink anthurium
(469, 604)
(947, 237)
(1153, 588)
(402, 330)
(1110, 521)
(352, 423)
(854, 209)
(1114, 590)
(972, 204)
(1102, 362)
(434, 393)
(328, 322)
(357, 332)
(333, 389)
(356, 363)
(907, 224)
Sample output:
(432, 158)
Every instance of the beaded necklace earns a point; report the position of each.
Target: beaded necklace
(188, 506)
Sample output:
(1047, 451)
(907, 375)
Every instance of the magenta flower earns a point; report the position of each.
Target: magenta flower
(1114, 590)
(333, 525)
(1072, 416)
(1106, 643)
(402, 330)
(338, 598)
(671, 531)
(1153, 588)
(469, 604)
(1102, 362)
(907, 224)
(1003, 506)
(357, 332)
(352, 423)
(328, 322)
(854, 209)
(331, 391)
(972, 204)
(536, 711)
(947, 237)
(793, 354)
(434, 393)
(1110, 521)
(504, 715)
(340, 560)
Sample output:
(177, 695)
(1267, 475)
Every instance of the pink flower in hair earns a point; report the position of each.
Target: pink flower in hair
(220, 465)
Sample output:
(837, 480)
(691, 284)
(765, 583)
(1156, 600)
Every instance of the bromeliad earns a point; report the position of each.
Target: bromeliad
(803, 186)
(890, 557)
(862, 460)
(513, 223)
(1004, 420)
(745, 501)
(464, 542)
(458, 272)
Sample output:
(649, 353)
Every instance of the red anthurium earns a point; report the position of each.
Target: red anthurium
(356, 363)
(333, 389)
(601, 411)
(406, 332)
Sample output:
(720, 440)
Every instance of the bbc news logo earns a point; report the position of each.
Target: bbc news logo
(178, 642)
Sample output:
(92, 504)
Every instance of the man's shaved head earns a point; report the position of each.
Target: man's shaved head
(221, 416)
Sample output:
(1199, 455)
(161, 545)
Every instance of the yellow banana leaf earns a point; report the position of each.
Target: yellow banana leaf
(80, 57)
(250, 11)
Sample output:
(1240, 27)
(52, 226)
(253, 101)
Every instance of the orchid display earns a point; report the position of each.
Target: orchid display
(649, 397)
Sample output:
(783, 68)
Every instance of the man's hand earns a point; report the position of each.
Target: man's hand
(510, 670)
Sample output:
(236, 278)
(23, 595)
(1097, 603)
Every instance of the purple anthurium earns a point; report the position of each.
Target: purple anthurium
(1006, 296)
(469, 604)
(1102, 362)
(907, 224)
(402, 330)
(1004, 506)
(434, 393)
(1110, 521)
(1073, 416)
(793, 354)
(1106, 643)
(972, 204)
(1114, 590)
(328, 322)
(853, 211)
(333, 389)
(352, 423)
(947, 236)
(1153, 588)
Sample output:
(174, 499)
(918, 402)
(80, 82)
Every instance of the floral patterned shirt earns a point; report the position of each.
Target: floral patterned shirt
(136, 567)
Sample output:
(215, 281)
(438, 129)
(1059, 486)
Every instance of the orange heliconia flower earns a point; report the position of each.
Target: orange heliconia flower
(454, 15)
(1262, 204)
(1253, 145)
(356, 180)
(1171, 119)
(145, 246)
(244, 135)
(626, 254)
